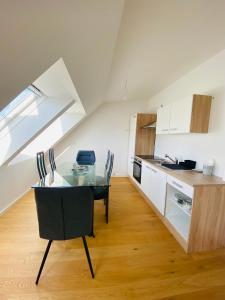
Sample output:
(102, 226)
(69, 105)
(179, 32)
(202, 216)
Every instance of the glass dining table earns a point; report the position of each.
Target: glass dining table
(69, 174)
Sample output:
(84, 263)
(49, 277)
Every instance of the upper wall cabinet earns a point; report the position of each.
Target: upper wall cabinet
(180, 116)
(190, 115)
(163, 120)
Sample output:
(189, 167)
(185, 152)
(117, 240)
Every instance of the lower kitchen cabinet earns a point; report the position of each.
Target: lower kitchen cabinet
(130, 165)
(200, 225)
(179, 207)
(153, 183)
(191, 205)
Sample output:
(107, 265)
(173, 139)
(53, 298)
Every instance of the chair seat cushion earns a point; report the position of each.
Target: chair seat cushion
(100, 192)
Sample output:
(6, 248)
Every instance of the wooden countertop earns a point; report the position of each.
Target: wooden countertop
(192, 178)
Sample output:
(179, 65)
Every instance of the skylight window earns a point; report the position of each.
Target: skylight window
(19, 104)
(32, 112)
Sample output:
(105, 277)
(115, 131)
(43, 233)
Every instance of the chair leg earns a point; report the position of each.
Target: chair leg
(107, 209)
(88, 256)
(43, 260)
(92, 233)
(92, 229)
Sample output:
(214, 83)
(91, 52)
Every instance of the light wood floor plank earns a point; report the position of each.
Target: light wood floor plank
(134, 257)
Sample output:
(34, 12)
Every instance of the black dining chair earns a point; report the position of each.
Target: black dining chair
(64, 213)
(102, 192)
(51, 157)
(86, 157)
(40, 157)
(107, 160)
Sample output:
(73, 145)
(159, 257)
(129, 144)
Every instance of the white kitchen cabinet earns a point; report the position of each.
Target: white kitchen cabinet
(132, 135)
(145, 178)
(180, 186)
(130, 166)
(179, 214)
(190, 115)
(153, 183)
(131, 146)
(196, 220)
(180, 116)
(163, 120)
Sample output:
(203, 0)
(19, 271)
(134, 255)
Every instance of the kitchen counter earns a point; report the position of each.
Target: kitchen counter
(189, 177)
(200, 228)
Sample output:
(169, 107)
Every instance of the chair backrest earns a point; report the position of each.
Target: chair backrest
(86, 157)
(51, 157)
(109, 172)
(64, 213)
(40, 156)
(107, 160)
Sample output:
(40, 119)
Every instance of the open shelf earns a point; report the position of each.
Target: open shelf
(180, 223)
(180, 206)
(178, 215)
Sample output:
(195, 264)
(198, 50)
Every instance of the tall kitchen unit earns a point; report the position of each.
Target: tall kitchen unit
(142, 133)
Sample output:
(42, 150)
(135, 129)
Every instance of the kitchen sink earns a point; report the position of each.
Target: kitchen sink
(173, 166)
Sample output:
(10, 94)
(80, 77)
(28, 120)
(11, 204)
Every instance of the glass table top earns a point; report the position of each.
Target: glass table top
(68, 174)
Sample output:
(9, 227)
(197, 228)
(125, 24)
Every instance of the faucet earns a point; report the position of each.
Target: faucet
(175, 161)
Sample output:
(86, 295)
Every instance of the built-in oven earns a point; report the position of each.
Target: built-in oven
(137, 169)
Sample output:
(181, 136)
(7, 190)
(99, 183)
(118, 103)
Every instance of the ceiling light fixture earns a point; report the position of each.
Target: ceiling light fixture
(124, 97)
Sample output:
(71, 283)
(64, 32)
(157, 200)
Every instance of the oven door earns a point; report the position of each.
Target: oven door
(137, 171)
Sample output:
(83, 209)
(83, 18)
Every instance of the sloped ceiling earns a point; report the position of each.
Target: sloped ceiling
(35, 34)
(106, 43)
(161, 40)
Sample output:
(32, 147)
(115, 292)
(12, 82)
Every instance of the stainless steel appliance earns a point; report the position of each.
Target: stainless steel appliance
(137, 165)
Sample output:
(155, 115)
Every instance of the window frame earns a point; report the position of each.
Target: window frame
(10, 121)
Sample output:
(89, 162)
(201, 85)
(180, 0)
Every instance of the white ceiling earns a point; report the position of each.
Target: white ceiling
(104, 43)
(161, 40)
(35, 34)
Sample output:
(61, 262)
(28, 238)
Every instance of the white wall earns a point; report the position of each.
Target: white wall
(161, 40)
(34, 35)
(17, 176)
(15, 180)
(107, 128)
(208, 79)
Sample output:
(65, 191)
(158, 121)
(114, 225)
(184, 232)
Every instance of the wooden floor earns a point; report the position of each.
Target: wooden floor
(134, 257)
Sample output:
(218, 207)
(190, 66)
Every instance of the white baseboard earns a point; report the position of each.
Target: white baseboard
(2, 211)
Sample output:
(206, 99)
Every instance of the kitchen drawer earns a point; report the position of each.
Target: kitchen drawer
(181, 186)
(151, 168)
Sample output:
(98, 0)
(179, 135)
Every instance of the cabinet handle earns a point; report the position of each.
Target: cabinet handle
(177, 184)
(164, 129)
(173, 129)
(153, 170)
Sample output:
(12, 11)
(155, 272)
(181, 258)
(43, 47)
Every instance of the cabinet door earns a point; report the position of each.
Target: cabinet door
(145, 179)
(153, 184)
(163, 120)
(130, 166)
(158, 189)
(132, 135)
(180, 116)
